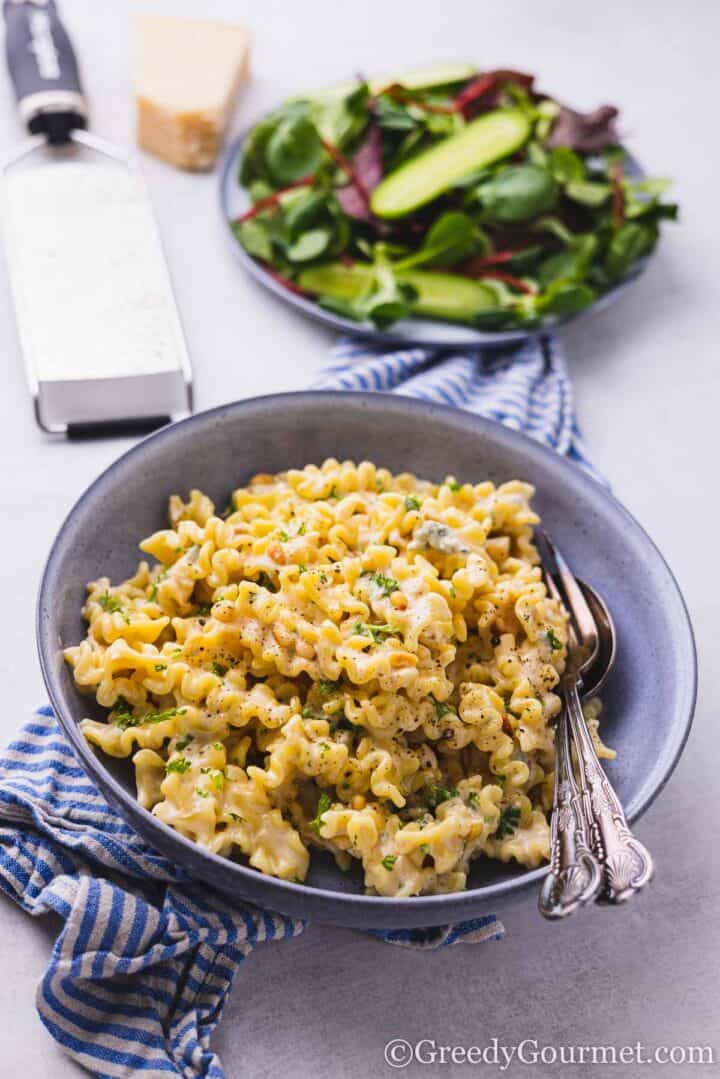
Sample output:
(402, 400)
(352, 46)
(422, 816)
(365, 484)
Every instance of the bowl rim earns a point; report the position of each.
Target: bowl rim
(422, 910)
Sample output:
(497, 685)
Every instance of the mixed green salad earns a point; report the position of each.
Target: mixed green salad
(453, 194)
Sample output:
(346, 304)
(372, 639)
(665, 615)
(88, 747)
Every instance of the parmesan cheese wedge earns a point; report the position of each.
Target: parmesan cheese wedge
(187, 74)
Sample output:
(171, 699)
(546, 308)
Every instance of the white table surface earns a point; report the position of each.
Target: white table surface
(646, 381)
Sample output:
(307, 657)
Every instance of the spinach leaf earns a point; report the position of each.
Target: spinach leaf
(555, 227)
(304, 212)
(517, 193)
(309, 245)
(342, 120)
(564, 298)
(570, 264)
(452, 238)
(255, 238)
(294, 150)
(588, 192)
(565, 165)
(393, 115)
(253, 165)
(627, 245)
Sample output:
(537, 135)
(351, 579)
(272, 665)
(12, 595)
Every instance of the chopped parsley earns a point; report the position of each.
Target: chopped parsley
(473, 799)
(376, 633)
(114, 605)
(110, 603)
(453, 485)
(323, 805)
(265, 581)
(219, 669)
(217, 780)
(301, 530)
(507, 701)
(154, 590)
(437, 795)
(283, 535)
(389, 861)
(327, 686)
(202, 793)
(161, 667)
(333, 491)
(184, 742)
(125, 719)
(307, 712)
(388, 585)
(236, 817)
(302, 568)
(179, 765)
(509, 820)
(203, 610)
(441, 709)
(412, 503)
(555, 642)
(453, 591)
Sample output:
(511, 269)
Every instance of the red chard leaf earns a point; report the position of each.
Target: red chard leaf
(485, 89)
(367, 169)
(587, 131)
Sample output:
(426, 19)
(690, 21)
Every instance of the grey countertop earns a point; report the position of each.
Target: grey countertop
(647, 391)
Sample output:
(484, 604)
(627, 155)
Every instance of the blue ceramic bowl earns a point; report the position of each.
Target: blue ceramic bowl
(648, 701)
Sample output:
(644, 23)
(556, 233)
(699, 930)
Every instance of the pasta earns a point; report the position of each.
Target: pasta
(343, 659)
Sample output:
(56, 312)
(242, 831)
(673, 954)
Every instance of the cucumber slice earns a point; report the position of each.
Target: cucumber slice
(440, 295)
(424, 78)
(449, 296)
(480, 143)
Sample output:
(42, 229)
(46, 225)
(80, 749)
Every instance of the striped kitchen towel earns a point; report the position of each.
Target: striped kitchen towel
(142, 967)
(524, 386)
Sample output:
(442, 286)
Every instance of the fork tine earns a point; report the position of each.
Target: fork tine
(577, 603)
(554, 591)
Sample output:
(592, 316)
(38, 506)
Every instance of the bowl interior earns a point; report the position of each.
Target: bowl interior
(648, 700)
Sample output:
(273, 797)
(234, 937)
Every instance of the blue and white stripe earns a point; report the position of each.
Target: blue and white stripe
(523, 386)
(141, 969)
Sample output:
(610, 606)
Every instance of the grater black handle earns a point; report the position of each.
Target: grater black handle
(43, 69)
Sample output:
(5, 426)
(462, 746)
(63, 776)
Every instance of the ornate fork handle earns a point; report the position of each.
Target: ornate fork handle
(626, 863)
(575, 875)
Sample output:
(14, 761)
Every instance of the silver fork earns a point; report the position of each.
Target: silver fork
(626, 864)
(575, 876)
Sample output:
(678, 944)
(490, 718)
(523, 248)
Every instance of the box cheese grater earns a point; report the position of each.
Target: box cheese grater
(97, 321)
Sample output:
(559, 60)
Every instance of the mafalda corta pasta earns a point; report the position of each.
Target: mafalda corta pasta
(343, 659)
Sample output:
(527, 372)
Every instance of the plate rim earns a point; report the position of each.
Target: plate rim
(414, 911)
(485, 339)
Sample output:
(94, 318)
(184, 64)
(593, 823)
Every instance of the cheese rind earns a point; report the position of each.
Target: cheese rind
(187, 74)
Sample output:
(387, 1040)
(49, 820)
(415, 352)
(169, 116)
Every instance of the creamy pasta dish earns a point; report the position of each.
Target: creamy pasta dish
(342, 659)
